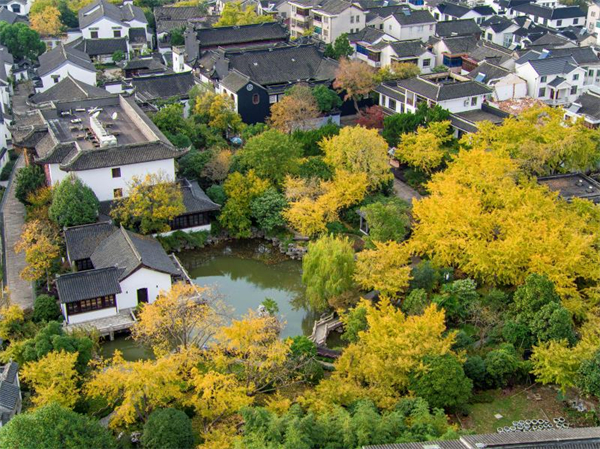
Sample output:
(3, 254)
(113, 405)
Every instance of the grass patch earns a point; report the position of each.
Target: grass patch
(513, 404)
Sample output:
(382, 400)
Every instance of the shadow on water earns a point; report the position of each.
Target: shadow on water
(248, 271)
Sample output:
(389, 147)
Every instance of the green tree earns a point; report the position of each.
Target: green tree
(394, 126)
(502, 365)
(170, 120)
(387, 220)
(267, 208)
(217, 194)
(416, 302)
(272, 155)
(46, 308)
(340, 48)
(441, 382)
(326, 98)
(310, 139)
(355, 321)
(192, 164)
(73, 203)
(241, 190)
(235, 14)
(21, 41)
(177, 37)
(168, 428)
(327, 270)
(28, 180)
(588, 376)
(118, 56)
(54, 427)
(456, 298)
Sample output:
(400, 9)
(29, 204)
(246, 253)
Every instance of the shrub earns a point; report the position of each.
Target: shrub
(7, 170)
(179, 240)
(46, 308)
(73, 203)
(217, 194)
(442, 382)
(168, 429)
(267, 210)
(415, 302)
(28, 180)
(589, 376)
(475, 370)
(503, 365)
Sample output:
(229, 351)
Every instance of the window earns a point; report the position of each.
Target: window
(420, 29)
(16, 9)
(272, 99)
(351, 19)
(431, 27)
(117, 193)
(357, 19)
(543, 79)
(392, 104)
(189, 221)
(116, 172)
(390, 27)
(474, 101)
(255, 99)
(94, 34)
(575, 21)
(574, 90)
(559, 23)
(542, 92)
(116, 33)
(56, 78)
(590, 73)
(576, 77)
(88, 305)
(488, 36)
(593, 14)
(426, 62)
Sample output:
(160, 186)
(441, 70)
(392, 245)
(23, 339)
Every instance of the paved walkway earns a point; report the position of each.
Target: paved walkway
(21, 292)
(19, 98)
(405, 192)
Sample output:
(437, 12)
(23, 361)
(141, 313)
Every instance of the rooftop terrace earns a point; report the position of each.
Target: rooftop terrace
(573, 185)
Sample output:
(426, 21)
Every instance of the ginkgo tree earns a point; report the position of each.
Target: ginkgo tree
(426, 149)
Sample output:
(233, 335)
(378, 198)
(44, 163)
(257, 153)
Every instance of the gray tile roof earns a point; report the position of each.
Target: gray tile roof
(211, 37)
(128, 252)
(9, 395)
(556, 81)
(487, 50)
(59, 55)
(462, 27)
(284, 64)
(10, 372)
(137, 35)
(172, 17)
(6, 15)
(588, 104)
(564, 12)
(453, 9)
(100, 47)
(234, 81)
(497, 23)
(69, 89)
(150, 88)
(390, 89)
(367, 34)
(333, 7)
(491, 72)
(443, 91)
(413, 17)
(553, 66)
(574, 438)
(88, 284)
(194, 198)
(120, 155)
(581, 55)
(461, 44)
(102, 8)
(82, 241)
(406, 49)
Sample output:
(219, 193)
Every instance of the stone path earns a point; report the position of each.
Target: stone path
(405, 192)
(21, 292)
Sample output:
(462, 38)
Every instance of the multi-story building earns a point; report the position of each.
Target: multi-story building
(327, 20)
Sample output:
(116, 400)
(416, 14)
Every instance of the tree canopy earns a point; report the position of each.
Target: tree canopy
(21, 41)
(235, 14)
(73, 203)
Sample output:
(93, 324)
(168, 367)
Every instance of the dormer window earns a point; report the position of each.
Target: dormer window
(543, 79)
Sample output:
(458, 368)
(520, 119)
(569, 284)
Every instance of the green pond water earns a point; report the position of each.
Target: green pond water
(243, 273)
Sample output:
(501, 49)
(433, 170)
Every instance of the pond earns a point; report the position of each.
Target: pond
(248, 271)
(244, 273)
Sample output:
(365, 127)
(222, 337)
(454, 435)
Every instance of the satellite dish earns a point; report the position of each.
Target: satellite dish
(114, 115)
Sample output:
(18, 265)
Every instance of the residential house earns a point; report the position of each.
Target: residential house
(584, 57)
(570, 438)
(104, 20)
(586, 107)
(169, 18)
(116, 271)
(465, 99)
(557, 18)
(554, 80)
(365, 44)
(102, 50)
(19, 7)
(462, 27)
(256, 79)
(490, 52)
(200, 41)
(408, 24)
(506, 84)
(61, 62)
(151, 90)
(413, 52)
(328, 19)
(67, 89)
(106, 142)
(377, 14)
(593, 15)
(445, 11)
(449, 51)
(499, 30)
(278, 9)
(11, 399)
(6, 15)
(145, 66)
